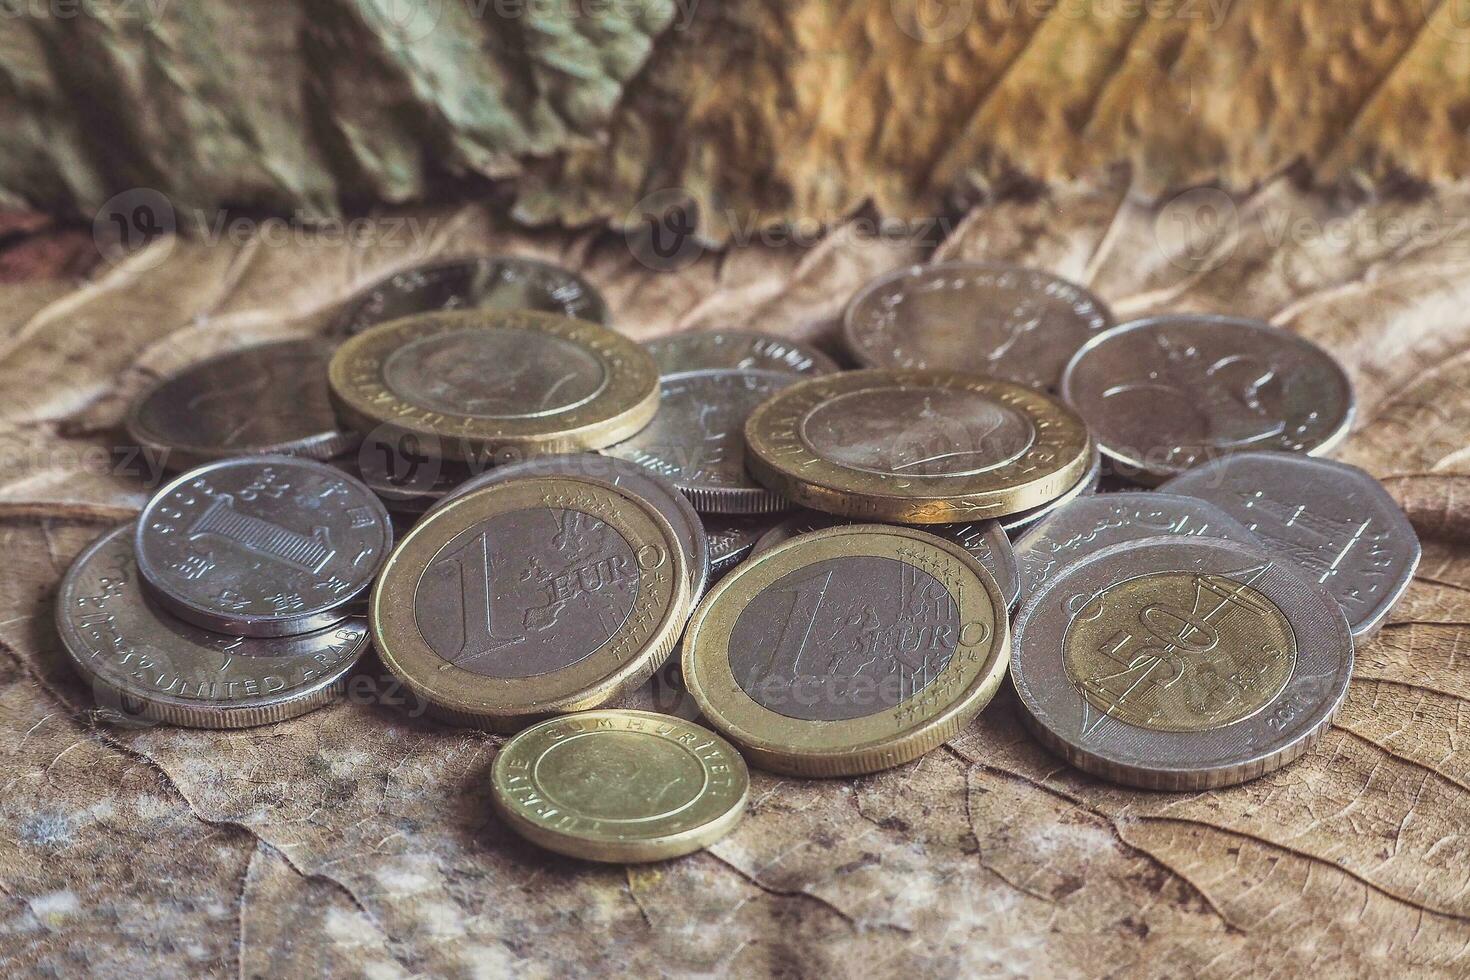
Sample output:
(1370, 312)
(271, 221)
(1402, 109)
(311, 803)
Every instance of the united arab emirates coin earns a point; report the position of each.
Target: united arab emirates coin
(848, 650)
(262, 545)
(268, 399)
(916, 447)
(674, 506)
(697, 439)
(1167, 393)
(1090, 524)
(620, 786)
(1005, 321)
(530, 598)
(1180, 663)
(499, 282)
(1085, 487)
(746, 350)
(1331, 520)
(144, 664)
(731, 539)
(483, 384)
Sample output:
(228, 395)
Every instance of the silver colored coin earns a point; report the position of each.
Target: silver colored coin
(986, 541)
(1071, 533)
(262, 545)
(265, 400)
(145, 664)
(491, 282)
(1180, 663)
(1005, 321)
(732, 537)
(1085, 487)
(746, 350)
(1167, 393)
(697, 439)
(407, 480)
(1333, 521)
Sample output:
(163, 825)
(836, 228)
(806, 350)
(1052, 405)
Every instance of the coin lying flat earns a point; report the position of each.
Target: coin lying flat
(529, 598)
(145, 664)
(407, 480)
(1167, 393)
(731, 539)
(1085, 487)
(697, 440)
(1004, 321)
(620, 786)
(848, 650)
(1180, 663)
(745, 350)
(269, 399)
(916, 447)
(490, 282)
(1331, 520)
(471, 385)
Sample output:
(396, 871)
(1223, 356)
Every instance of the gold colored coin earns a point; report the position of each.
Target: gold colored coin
(530, 598)
(848, 650)
(620, 785)
(916, 446)
(474, 384)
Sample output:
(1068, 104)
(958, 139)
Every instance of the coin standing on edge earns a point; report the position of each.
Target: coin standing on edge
(744, 350)
(144, 663)
(848, 651)
(916, 447)
(530, 598)
(1180, 663)
(731, 539)
(1331, 520)
(620, 786)
(1167, 393)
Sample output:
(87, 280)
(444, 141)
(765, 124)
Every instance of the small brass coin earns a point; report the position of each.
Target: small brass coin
(916, 446)
(530, 598)
(620, 786)
(472, 385)
(848, 650)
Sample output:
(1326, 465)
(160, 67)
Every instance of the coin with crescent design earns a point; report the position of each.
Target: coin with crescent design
(619, 786)
(1180, 663)
(500, 282)
(268, 399)
(262, 545)
(848, 650)
(746, 350)
(144, 664)
(1167, 393)
(697, 439)
(1085, 487)
(530, 598)
(916, 447)
(731, 538)
(479, 384)
(1331, 520)
(1005, 321)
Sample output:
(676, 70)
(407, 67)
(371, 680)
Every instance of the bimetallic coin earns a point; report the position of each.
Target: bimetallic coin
(1085, 487)
(916, 447)
(620, 786)
(530, 598)
(1331, 520)
(491, 283)
(697, 439)
(745, 350)
(1167, 393)
(848, 650)
(1180, 663)
(262, 545)
(481, 384)
(270, 399)
(1004, 321)
(731, 539)
(145, 664)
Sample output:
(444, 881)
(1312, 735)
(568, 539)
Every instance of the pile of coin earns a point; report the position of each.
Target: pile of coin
(853, 560)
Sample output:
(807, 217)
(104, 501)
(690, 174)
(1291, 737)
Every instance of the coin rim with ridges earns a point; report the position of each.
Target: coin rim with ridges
(1022, 521)
(821, 363)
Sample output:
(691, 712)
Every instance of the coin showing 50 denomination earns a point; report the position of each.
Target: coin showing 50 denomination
(1167, 393)
(262, 545)
(477, 384)
(1333, 521)
(917, 447)
(145, 664)
(1180, 663)
(746, 350)
(530, 598)
(620, 785)
(848, 650)
(1005, 321)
